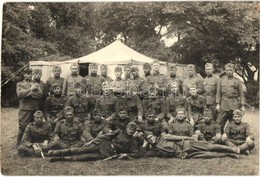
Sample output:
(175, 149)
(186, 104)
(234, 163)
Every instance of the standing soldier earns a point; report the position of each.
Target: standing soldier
(68, 132)
(30, 94)
(193, 78)
(174, 78)
(209, 130)
(54, 105)
(37, 74)
(147, 70)
(127, 71)
(229, 96)
(137, 80)
(95, 127)
(103, 70)
(157, 80)
(181, 127)
(173, 100)
(80, 104)
(71, 81)
(93, 84)
(106, 103)
(117, 85)
(237, 134)
(36, 136)
(56, 79)
(195, 105)
(210, 88)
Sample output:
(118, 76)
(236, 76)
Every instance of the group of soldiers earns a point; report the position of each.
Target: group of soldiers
(95, 117)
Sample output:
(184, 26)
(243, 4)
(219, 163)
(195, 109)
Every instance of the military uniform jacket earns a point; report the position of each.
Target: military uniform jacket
(210, 89)
(132, 105)
(106, 104)
(68, 132)
(172, 102)
(107, 79)
(69, 85)
(51, 81)
(158, 79)
(196, 105)
(154, 104)
(29, 99)
(138, 83)
(237, 131)
(156, 128)
(93, 84)
(181, 129)
(209, 130)
(54, 105)
(177, 79)
(92, 129)
(118, 85)
(118, 123)
(188, 82)
(35, 134)
(229, 93)
(80, 104)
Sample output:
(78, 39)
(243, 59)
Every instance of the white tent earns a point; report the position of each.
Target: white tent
(114, 54)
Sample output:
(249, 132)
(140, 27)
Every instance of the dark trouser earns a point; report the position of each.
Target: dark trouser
(223, 117)
(197, 146)
(24, 117)
(206, 154)
(24, 150)
(243, 145)
(212, 107)
(59, 144)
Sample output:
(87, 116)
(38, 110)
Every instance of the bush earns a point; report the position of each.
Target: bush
(252, 94)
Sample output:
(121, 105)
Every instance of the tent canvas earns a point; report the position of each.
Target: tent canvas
(114, 54)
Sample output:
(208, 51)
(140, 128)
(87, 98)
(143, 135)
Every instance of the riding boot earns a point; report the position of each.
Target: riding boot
(244, 148)
(61, 152)
(218, 147)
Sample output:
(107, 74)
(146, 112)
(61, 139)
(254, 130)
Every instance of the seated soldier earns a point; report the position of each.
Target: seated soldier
(184, 147)
(237, 134)
(117, 144)
(195, 105)
(54, 105)
(208, 129)
(106, 103)
(120, 121)
(95, 126)
(181, 127)
(151, 125)
(173, 100)
(80, 103)
(36, 136)
(68, 132)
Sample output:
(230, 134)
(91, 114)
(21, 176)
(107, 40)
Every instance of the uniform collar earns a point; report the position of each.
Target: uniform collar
(156, 73)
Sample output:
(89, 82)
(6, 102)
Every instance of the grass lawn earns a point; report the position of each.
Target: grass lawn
(12, 164)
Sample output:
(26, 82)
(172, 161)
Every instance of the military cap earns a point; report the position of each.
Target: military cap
(180, 108)
(121, 108)
(134, 68)
(54, 86)
(191, 66)
(156, 61)
(93, 65)
(74, 64)
(56, 67)
(207, 112)
(173, 66)
(229, 65)
(193, 85)
(151, 112)
(68, 109)
(27, 71)
(131, 125)
(209, 65)
(127, 66)
(174, 83)
(147, 65)
(237, 112)
(103, 66)
(37, 71)
(38, 113)
(118, 69)
(105, 84)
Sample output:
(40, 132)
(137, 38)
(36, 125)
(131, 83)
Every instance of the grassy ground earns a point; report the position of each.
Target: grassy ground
(12, 164)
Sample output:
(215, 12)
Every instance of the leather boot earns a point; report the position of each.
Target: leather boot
(218, 147)
(61, 152)
(244, 148)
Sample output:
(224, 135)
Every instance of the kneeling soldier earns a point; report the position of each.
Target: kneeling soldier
(238, 134)
(36, 137)
(67, 132)
(209, 130)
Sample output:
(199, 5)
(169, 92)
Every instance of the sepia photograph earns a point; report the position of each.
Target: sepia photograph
(130, 88)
